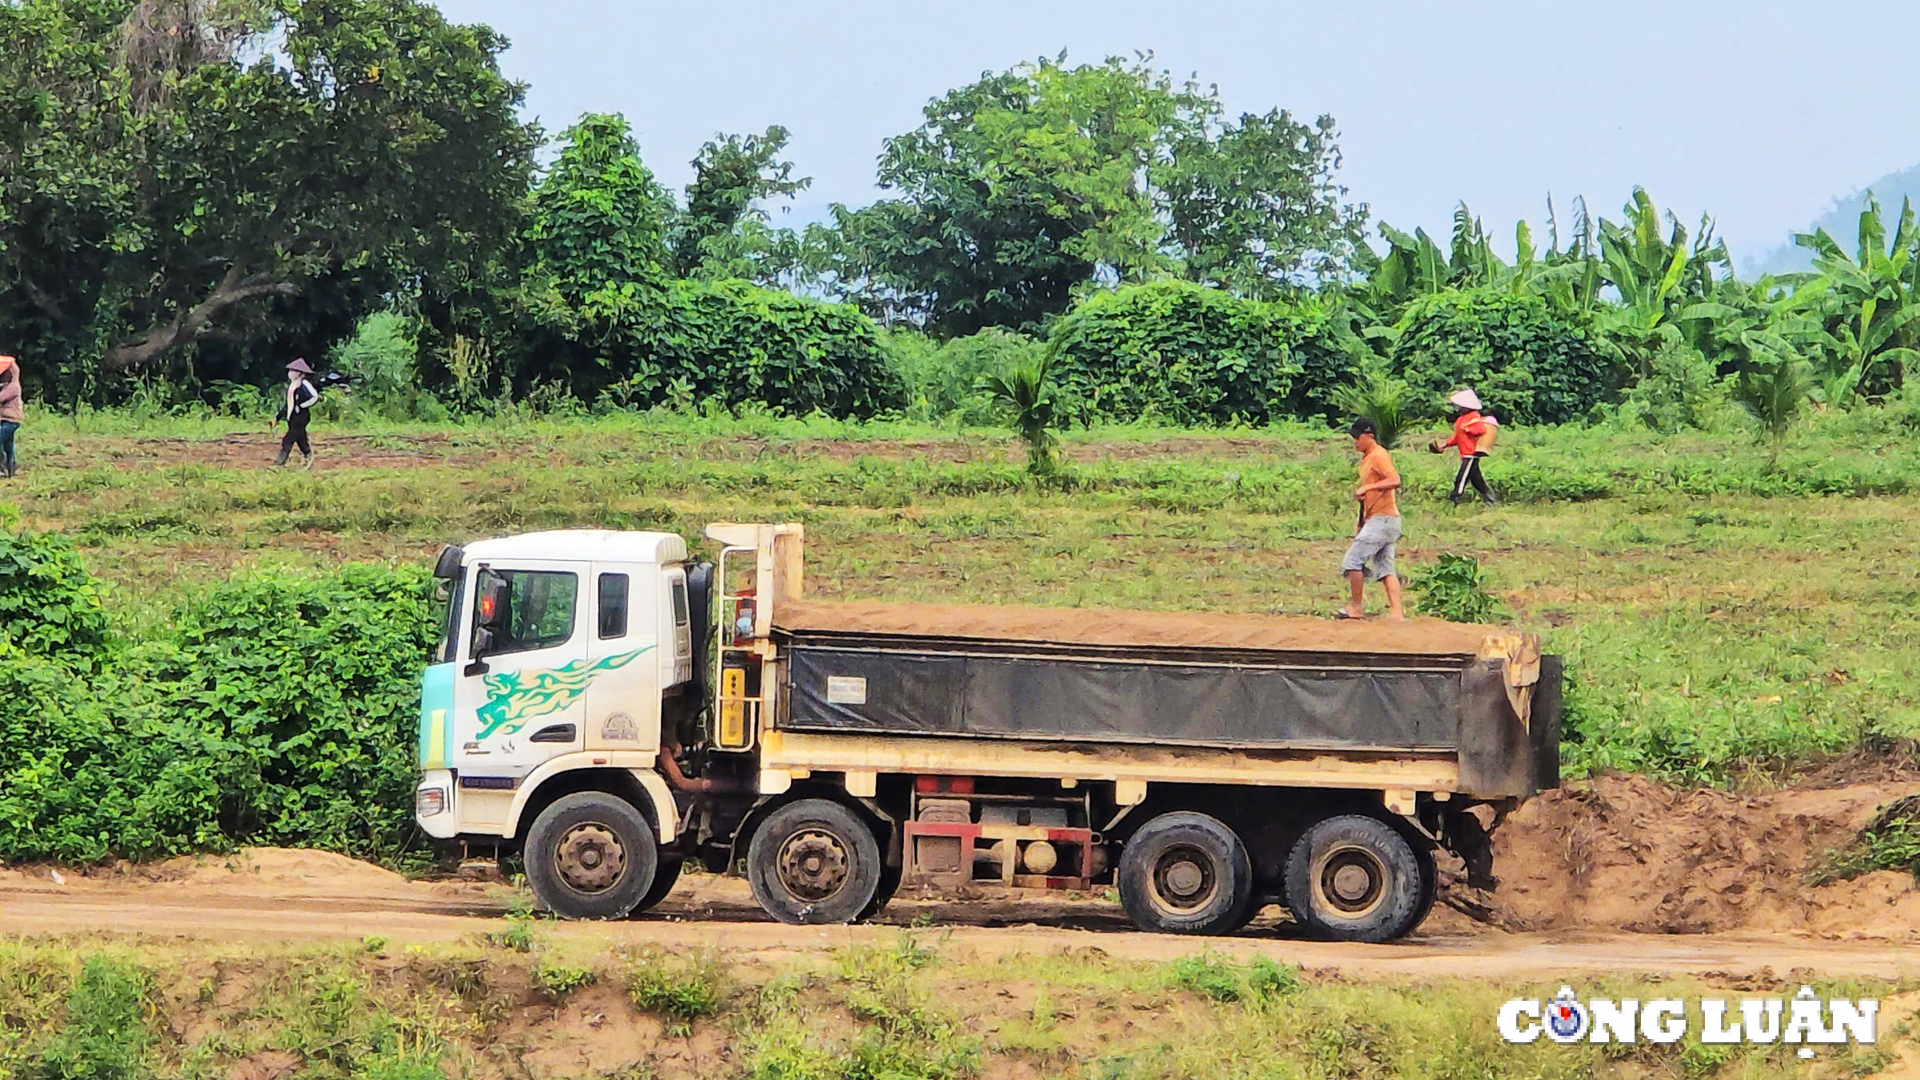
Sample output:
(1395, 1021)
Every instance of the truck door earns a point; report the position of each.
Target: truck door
(524, 670)
(623, 702)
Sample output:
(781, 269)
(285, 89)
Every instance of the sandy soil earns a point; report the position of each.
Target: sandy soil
(1107, 626)
(1626, 853)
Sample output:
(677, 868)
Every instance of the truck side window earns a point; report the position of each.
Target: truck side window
(613, 606)
(540, 610)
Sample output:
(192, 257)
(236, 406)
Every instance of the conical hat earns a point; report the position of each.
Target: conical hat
(1465, 399)
(300, 366)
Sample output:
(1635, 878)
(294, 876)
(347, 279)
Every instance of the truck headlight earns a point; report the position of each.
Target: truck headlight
(429, 801)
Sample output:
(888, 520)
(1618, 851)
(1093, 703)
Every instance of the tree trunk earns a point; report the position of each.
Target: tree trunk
(188, 325)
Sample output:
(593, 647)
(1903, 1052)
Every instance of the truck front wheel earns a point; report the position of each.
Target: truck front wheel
(1186, 873)
(665, 876)
(1354, 878)
(590, 856)
(814, 861)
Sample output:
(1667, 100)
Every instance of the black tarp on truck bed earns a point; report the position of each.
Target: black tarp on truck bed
(1133, 677)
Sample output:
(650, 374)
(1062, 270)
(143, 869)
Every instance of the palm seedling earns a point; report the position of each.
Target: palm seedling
(1390, 403)
(1024, 397)
(1775, 392)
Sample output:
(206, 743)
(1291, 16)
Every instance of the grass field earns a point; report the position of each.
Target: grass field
(511, 1006)
(1729, 619)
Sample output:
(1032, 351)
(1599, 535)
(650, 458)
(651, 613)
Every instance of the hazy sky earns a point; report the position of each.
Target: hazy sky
(1755, 110)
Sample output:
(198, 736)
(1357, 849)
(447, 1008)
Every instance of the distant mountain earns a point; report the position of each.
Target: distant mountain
(1842, 221)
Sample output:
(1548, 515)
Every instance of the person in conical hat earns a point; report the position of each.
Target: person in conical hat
(297, 409)
(12, 414)
(1472, 435)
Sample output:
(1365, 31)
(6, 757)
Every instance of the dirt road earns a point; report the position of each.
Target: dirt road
(279, 896)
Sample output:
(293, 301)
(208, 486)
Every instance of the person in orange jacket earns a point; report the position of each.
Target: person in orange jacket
(1472, 433)
(12, 413)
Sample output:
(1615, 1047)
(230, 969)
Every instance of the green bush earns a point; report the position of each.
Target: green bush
(64, 775)
(1529, 365)
(1453, 590)
(1680, 390)
(303, 695)
(731, 342)
(380, 359)
(49, 605)
(941, 379)
(1193, 355)
(276, 709)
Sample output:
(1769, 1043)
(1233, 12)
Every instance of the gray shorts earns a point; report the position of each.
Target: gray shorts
(1372, 550)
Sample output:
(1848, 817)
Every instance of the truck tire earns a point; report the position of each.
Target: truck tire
(889, 885)
(1355, 878)
(590, 856)
(1185, 873)
(814, 861)
(665, 876)
(1429, 888)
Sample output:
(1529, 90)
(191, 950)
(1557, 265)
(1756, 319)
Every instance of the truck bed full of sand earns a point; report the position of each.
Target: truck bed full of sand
(1108, 626)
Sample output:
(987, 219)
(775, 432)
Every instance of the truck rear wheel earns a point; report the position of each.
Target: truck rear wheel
(1355, 878)
(1186, 873)
(814, 861)
(590, 856)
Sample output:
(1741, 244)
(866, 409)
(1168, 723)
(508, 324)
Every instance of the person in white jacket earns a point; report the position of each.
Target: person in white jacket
(301, 398)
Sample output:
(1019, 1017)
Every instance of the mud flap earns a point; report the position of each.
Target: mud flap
(1496, 750)
(1547, 724)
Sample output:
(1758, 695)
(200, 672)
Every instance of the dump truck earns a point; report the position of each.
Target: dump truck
(610, 709)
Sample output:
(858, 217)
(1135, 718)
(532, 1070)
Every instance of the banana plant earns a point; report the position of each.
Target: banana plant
(1867, 303)
(1416, 266)
(1662, 280)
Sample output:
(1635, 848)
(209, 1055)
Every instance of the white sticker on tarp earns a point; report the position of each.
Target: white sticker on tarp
(846, 690)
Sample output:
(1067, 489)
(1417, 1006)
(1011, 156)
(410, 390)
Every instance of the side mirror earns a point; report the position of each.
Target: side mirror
(448, 565)
(482, 645)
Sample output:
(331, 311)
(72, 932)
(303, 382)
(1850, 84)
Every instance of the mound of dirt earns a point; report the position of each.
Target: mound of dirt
(267, 871)
(1626, 853)
(282, 869)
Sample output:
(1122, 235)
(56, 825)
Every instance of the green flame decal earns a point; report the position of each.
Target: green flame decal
(515, 697)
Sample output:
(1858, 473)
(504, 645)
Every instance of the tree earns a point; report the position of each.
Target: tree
(181, 177)
(1254, 207)
(1031, 184)
(724, 230)
(599, 218)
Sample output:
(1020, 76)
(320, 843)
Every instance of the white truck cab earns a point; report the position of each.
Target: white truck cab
(558, 651)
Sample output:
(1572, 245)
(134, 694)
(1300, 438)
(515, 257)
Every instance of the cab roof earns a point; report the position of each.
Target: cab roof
(583, 545)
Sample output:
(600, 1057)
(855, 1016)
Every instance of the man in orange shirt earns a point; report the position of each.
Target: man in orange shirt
(1371, 553)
